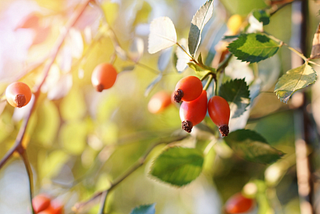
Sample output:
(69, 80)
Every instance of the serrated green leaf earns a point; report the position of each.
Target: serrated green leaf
(251, 146)
(262, 16)
(237, 94)
(162, 34)
(294, 80)
(198, 22)
(144, 209)
(178, 166)
(253, 47)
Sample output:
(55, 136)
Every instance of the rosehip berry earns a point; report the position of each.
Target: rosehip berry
(193, 112)
(40, 203)
(219, 112)
(238, 204)
(187, 89)
(18, 94)
(159, 102)
(104, 76)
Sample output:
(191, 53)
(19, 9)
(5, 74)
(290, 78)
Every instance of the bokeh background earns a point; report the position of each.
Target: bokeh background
(78, 140)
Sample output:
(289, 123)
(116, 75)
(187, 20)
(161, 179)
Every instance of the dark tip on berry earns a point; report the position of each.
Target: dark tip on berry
(178, 94)
(187, 126)
(224, 130)
(20, 100)
(99, 88)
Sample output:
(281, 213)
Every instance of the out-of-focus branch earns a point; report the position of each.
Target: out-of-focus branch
(82, 205)
(19, 139)
(46, 70)
(302, 124)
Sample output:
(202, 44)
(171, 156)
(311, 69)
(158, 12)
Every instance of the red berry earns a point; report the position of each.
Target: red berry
(104, 76)
(219, 112)
(159, 102)
(238, 204)
(40, 203)
(193, 112)
(187, 89)
(18, 94)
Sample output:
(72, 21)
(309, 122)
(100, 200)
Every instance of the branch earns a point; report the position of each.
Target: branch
(23, 155)
(54, 53)
(79, 206)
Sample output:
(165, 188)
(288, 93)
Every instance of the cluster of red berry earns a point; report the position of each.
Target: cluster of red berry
(195, 105)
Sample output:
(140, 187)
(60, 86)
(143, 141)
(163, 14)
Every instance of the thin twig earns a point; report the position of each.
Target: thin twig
(137, 165)
(23, 155)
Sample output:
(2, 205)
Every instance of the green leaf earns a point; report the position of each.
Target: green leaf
(253, 47)
(144, 209)
(162, 34)
(198, 22)
(237, 94)
(200, 69)
(178, 166)
(142, 14)
(262, 16)
(294, 80)
(200, 66)
(251, 146)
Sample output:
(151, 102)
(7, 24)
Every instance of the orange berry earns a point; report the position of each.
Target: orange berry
(187, 89)
(159, 102)
(238, 204)
(18, 94)
(104, 76)
(40, 203)
(54, 208)
(30, 21)
(193, 112)
(219, 112)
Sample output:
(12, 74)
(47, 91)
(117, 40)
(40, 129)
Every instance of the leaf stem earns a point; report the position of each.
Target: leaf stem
(103, 201)
(208, 82)
(191, 57)
(224, 63)
(297, 52)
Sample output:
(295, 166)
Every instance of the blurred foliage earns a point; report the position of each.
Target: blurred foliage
(83, 141)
